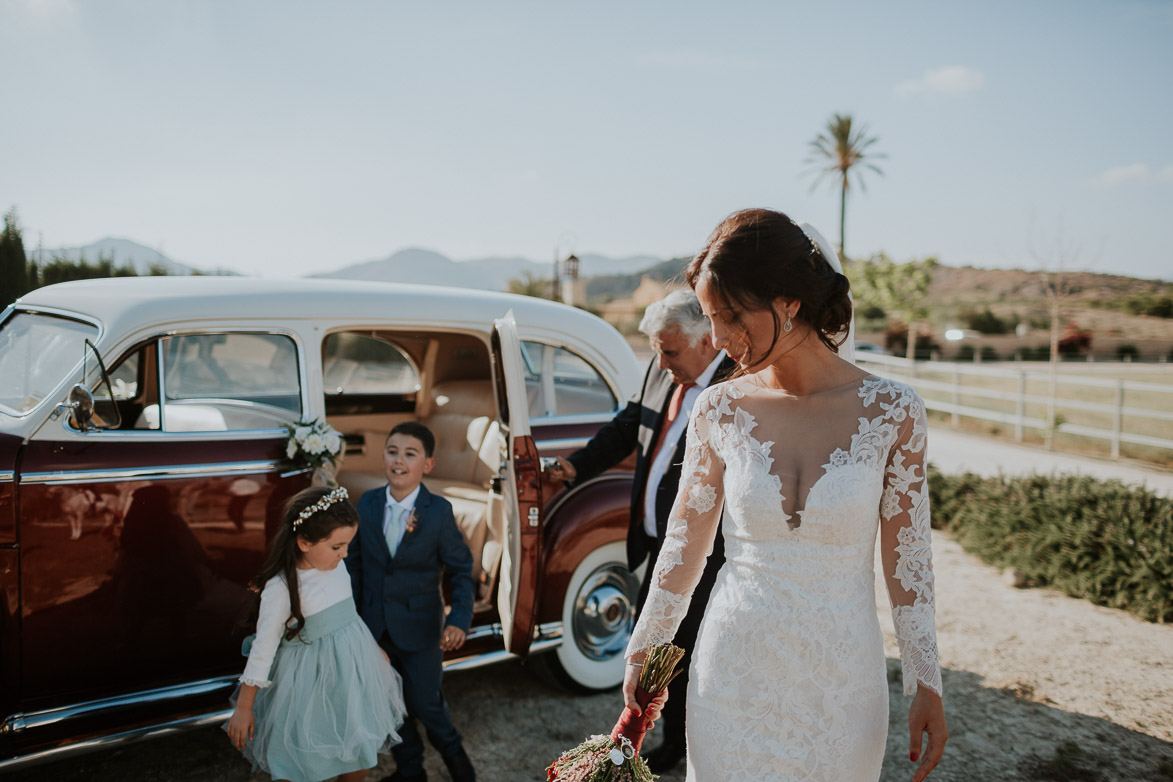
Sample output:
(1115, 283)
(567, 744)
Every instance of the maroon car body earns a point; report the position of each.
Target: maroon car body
(143, 468)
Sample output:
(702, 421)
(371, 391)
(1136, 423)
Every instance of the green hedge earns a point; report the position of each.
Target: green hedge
(1102, 541)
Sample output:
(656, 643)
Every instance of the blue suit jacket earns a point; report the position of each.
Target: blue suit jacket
(401, 594)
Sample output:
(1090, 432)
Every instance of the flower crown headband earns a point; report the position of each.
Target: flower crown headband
(335, 496)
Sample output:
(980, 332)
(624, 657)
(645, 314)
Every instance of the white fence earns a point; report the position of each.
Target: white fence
(944, 387)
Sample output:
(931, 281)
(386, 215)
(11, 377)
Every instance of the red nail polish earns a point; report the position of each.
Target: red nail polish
(913, 756)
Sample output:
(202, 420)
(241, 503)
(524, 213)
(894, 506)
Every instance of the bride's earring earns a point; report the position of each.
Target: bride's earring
(787, 326)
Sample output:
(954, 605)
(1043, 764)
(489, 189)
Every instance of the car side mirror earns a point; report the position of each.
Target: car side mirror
(81, 404)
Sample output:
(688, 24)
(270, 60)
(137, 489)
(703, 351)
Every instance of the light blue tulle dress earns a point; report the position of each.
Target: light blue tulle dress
(328, 702)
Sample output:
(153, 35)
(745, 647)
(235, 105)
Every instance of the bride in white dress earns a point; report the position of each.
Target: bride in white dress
(808, 455)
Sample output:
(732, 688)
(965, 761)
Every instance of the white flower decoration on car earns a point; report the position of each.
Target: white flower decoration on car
(313, 443)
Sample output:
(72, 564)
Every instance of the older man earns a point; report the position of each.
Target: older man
(653, 427)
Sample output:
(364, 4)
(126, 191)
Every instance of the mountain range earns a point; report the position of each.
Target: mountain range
(123, 252)
(492, 274)
(413, 265)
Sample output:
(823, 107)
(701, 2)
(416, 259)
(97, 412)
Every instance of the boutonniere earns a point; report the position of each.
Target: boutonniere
(411, 523)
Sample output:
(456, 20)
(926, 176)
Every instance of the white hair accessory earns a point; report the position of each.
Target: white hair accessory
(847, 349)
(338, 494)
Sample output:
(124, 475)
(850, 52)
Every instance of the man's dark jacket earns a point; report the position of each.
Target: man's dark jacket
(637, 428)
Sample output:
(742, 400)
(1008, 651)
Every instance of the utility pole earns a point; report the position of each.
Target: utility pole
(554, 278)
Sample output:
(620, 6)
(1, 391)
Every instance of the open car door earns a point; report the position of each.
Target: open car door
(521, 487)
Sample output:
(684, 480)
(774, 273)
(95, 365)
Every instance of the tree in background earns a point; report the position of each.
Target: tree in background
(837, 151)
(529, 284)
(899, 289)
(14, 264)
(1055, 267)
(62, 269)
(986, 322)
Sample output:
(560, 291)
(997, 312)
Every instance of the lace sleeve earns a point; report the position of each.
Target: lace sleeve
(271, 619)
(905, 547)
(688, 541)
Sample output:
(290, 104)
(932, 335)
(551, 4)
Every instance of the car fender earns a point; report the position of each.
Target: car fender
(580, 521)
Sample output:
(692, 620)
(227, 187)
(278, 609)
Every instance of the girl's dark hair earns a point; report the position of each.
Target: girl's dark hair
(757, 256)
(284, 553)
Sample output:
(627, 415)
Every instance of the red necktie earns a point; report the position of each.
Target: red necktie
(674, 406)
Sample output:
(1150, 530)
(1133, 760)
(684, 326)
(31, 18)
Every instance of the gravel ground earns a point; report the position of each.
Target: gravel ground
(1024, 672)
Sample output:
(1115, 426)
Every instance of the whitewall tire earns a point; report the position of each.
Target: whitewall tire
(598, 613)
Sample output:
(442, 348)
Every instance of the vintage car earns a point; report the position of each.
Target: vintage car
(143, 468)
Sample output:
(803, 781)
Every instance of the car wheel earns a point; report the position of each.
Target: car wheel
(598, 613)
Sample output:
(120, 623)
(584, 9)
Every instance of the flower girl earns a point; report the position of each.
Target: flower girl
(318, 698)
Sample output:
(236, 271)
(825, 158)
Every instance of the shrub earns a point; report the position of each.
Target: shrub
(986, 322)
(1101, 541)
(1039, 322)
(896, 342)
(1127, 350)
(1038, 353)
(1152, 304)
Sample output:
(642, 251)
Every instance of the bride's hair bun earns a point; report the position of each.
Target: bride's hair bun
(834, 314)
(757, 256)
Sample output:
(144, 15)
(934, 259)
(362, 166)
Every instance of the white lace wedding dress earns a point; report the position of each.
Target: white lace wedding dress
(788, 679)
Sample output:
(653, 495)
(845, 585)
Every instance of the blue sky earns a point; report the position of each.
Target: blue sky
(281, 138)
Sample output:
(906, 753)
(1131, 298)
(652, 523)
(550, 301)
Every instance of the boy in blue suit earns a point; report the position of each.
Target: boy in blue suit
(407, 539)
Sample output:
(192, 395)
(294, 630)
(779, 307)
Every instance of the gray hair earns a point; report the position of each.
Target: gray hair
(678, 310)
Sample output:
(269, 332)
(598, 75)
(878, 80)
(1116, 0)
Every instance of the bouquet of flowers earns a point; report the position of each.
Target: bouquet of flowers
(615, 758)
(314, 444)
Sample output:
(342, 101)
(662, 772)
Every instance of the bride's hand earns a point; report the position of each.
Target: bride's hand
(655, 706)
(926, 715)
(631, 675)
(630, 680)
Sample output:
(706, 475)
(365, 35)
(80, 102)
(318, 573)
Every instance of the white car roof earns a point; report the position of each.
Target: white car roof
(133, 301)
(128, 305)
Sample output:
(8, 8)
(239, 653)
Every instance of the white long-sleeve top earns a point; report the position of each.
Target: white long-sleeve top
(319, 589)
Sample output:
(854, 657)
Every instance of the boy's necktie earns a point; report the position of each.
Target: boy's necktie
(395, 527)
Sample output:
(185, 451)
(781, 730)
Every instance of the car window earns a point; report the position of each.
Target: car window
(560, 382)
(362, 364)
(531, 353)
(220, 382)
(134, 387)
(37, 352)
(124, 378)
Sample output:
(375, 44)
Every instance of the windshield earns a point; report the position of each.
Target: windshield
(37, 352)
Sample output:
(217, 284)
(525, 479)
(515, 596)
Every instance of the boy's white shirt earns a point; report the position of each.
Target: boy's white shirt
(407, 504)
(318, 589)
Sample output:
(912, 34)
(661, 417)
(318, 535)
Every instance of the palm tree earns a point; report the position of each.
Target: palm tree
(837, 151)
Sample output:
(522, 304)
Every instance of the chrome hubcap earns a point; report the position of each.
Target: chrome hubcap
(604, 612)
